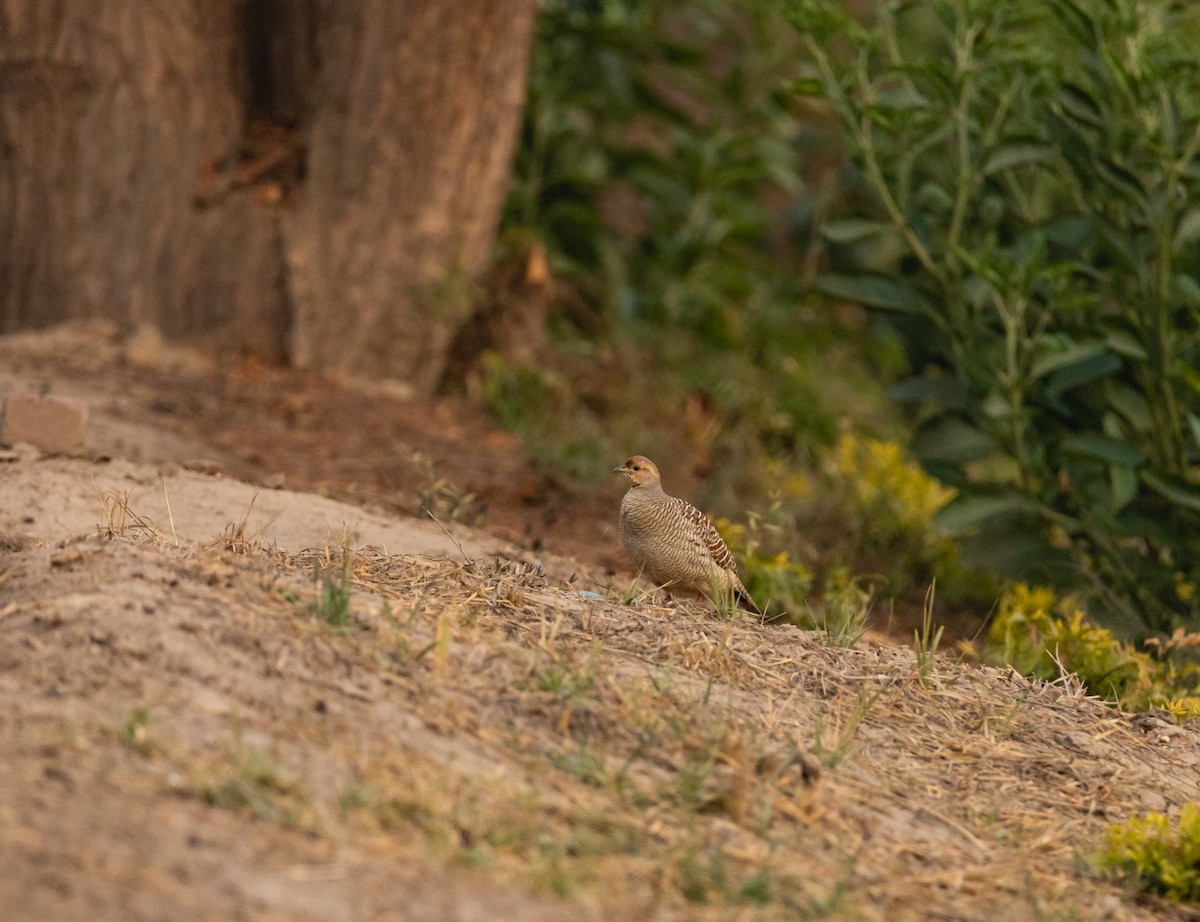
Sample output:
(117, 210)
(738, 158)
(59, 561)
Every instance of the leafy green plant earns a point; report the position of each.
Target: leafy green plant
(926, 640)
(1147, 851)
(885, 509)
(334, 588)
(254, 782)
(133, 731)
(831, 744)
(658, 166)
(774, 580)
(1026, 210)
(843, 610)
(1040, 634)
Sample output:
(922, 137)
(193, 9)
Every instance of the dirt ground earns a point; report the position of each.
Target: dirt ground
(240, 678)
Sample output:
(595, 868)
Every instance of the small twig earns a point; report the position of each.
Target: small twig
(446, 531)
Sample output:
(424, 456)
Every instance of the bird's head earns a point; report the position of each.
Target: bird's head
(639, 469)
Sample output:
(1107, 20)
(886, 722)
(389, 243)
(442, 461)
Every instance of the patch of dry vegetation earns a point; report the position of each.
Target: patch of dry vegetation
(534, 744)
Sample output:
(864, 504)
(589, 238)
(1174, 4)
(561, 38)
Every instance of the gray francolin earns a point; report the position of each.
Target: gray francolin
(672, 542)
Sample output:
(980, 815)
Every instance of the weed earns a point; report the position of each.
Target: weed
(403, 655)
(584, 764)
(333, 594)
(133, 731)
(118, 519)
(717, 661)
(926, 640)
(1148, 852)
(700, 874)
(234, 537)
(443, 500)
(636, 593)
(832, 744)
(254, 782)
(356, 797)
(695, 786)
(844, 610)
(1043, 635)
(552, 874)
(757, 888)
(565, 680)
(273, 584)
(725, 602)
(775, 581)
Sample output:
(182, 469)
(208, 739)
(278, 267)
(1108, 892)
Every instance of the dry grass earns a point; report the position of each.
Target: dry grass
(636, 761)
(950, 791)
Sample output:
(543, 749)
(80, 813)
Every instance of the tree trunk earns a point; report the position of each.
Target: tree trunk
(107, 112)
(311, 178)
(418, 106)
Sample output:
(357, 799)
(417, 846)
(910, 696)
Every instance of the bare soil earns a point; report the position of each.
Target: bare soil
(241, 679)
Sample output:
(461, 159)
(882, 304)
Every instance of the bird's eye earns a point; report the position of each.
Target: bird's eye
(636, 467)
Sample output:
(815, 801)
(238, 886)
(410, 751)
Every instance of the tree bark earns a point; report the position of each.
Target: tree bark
(107, 113)
(418, 106)
(129, 189)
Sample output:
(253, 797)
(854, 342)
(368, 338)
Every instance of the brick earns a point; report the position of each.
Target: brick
(55, 425)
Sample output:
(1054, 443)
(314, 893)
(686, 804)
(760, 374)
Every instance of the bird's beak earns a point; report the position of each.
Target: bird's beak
(620, 470)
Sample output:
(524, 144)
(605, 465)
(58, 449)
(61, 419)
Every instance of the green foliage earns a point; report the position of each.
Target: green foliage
(1026, 210)
(874, 512)
(657, 163)
(133, 731)
(334, 589)
(886, 507)
(1148, 852)
(843, 609)
(539, 407)
(1039, 634)
(773, 580)
(926, 640)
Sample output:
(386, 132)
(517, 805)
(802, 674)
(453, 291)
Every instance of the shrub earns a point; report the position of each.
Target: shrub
(1148, 852)
(1034, 632)
(1038, 633)
(658, 165)
(772, 579)
(1034, 165)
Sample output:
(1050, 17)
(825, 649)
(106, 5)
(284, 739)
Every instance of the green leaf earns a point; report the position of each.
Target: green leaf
(1187, 289)
(1083, 371)
(966, 512)
(1187, 230)
(1125, 344)
(933, 197)
(1120, 179)
(1178, 492)
(1103, 448)
(1123, 481)
(1132, 406)
(900, 98)
(849, 230)
(951, 439)
(1064, 358)
(870, 291)
(1194, 425)
(1079, 106)
(811, 87)
(1015, 154)
(944, 392)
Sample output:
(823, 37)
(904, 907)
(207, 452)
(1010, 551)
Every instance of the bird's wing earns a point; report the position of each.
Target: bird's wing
(707, 534)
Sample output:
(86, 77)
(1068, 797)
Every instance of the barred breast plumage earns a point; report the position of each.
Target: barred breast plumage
(672, 542)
